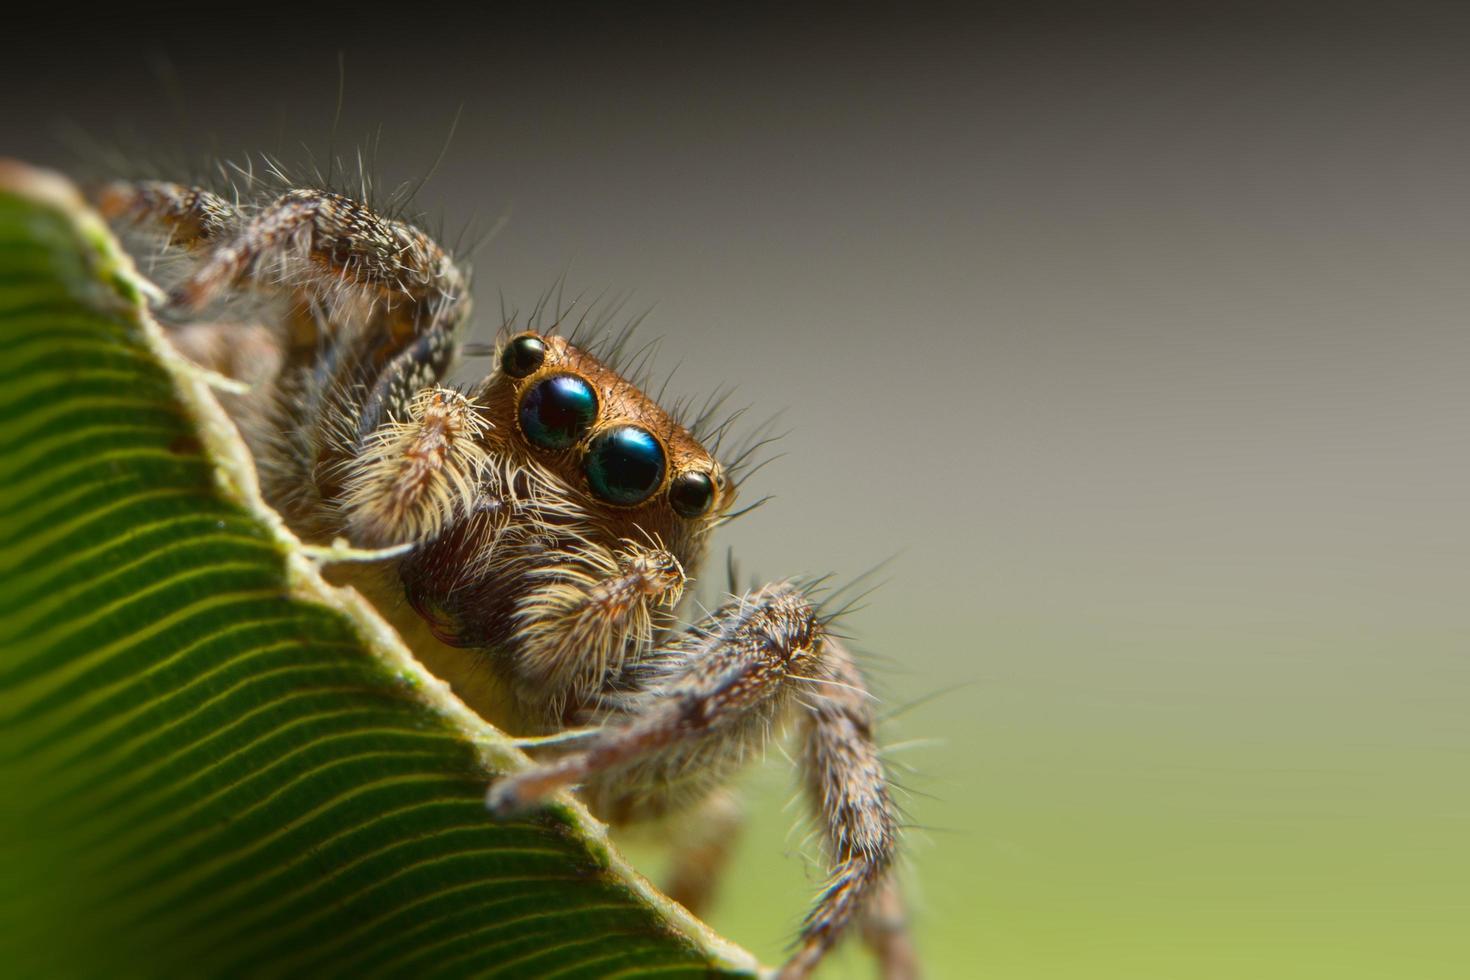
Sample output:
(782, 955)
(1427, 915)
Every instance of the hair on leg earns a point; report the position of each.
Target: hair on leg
(848, 790)
(683, 720)
(191, 216)
(591, 609)
(686, 713)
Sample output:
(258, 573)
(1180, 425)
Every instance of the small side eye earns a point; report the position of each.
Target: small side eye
(624, 465)
(557, 412)
(523, 355)
(691, 493)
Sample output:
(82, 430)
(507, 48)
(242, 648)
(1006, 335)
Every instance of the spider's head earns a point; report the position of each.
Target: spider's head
(614, 452)
(582, 466)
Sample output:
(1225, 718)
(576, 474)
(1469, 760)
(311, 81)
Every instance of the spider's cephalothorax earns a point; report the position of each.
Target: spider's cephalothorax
(591, 506)
(555, 514)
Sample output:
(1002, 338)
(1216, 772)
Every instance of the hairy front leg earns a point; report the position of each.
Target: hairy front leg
(701, 705)
(191, 216)
(679, 722)
(848, 789)
(332, 245)
(352, 420)
(341, 259)
(191, 219)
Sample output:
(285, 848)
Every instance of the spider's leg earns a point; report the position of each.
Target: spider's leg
(355, 423)
(886, 932)
(706, 699)
(338, 254)
(686, 711)
(350, 243)
(703, 843)
(848, 790)
(192, 217)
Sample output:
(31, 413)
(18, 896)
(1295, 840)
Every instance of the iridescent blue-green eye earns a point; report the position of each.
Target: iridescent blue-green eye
(556, 413)
(624, 465)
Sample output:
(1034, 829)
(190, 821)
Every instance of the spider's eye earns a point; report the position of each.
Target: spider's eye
(624, 465)
(691, 493)
(522, 356)
(557, 412)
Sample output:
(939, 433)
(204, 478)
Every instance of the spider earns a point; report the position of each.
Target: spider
(555, 513)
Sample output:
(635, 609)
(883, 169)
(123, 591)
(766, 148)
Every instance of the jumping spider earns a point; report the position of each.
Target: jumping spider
(556, 514)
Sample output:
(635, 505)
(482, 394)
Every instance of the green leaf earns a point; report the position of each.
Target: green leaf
(212, 762)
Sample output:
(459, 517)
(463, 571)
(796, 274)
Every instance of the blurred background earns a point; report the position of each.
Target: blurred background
(1137, 336)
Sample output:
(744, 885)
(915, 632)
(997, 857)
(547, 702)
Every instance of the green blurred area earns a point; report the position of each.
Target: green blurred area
(1157, 804)
(1140, 336)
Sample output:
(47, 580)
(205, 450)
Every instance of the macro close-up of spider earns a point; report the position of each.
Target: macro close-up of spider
(592, 492)
(545, 523)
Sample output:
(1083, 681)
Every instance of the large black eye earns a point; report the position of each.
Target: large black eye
(691, 493)
(557, 412)
(624, 465)
(522, 356)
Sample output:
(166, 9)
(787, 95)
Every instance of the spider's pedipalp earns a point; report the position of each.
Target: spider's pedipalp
(408, 479)
(591, 609)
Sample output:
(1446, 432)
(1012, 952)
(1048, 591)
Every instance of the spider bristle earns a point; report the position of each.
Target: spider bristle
(610, 349)
(727, 518)
(470, 241)
(714, 402)
(715, 438)
(743, 461)
(637, 368)
(663, 391)
(924, 699)
(536, 318)
(732, 571)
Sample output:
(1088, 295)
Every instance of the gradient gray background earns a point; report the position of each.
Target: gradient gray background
(1139, 338)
